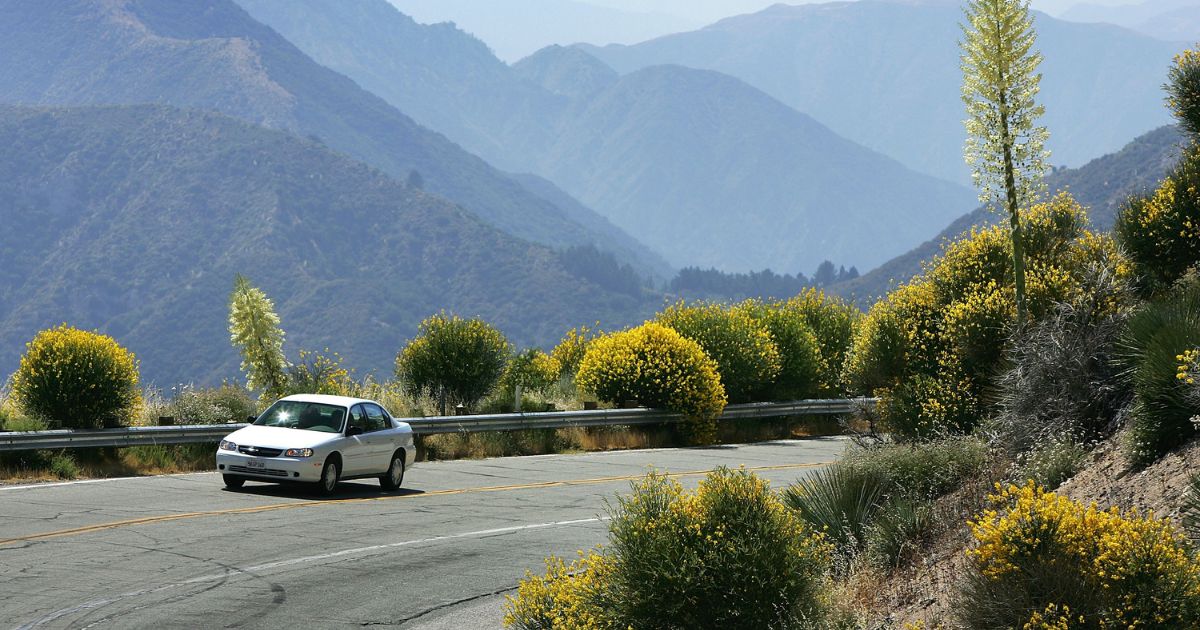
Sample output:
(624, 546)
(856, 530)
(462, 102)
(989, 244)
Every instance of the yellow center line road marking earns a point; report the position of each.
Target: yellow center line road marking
(434, 493)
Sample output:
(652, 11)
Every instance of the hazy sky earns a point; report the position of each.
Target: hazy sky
(517, 28)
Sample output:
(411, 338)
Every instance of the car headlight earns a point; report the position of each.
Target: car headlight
(298, 452)
(226, 445)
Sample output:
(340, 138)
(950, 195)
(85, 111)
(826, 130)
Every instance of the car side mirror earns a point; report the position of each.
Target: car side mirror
(251, 419)
(353, 431)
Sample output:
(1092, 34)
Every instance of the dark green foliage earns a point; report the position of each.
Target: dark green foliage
(1161, 232)
(897, 532)
(927, 470)
(1152, 343)
(602, 269)
(1183, 91)
(841, 501)
(352, 259)
(799, 350)
(1051, 463)
(454, 360)
(712, 283)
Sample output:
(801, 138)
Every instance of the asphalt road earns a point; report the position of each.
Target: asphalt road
(181, 552)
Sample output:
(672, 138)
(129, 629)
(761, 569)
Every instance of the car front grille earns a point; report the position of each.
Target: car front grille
(260, 451)
(270, 472)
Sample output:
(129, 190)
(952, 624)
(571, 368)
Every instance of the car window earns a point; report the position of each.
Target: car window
(358, 418)
(376, 417)
(294, 414)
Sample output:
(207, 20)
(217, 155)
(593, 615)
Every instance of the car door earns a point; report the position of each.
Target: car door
(379, 441)
(357, 455)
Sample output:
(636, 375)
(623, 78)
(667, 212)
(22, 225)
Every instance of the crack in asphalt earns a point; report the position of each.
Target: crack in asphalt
(466, 600)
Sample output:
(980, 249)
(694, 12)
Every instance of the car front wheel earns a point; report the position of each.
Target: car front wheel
(329, 477)
(233, 482)
(394, 476)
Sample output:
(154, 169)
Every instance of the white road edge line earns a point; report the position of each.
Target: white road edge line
(266, 566)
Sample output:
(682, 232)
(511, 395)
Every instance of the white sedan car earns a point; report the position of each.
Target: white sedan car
(320, 440)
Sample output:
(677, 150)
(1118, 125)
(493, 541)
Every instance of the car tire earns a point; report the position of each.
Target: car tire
(329, 477)
(394, 477)
(233, 482)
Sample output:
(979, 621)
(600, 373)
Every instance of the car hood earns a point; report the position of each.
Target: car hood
(279, 437)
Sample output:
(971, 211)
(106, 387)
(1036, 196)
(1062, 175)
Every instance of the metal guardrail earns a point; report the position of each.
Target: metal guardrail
(191, 434)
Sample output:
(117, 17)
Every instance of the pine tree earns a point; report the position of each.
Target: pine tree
(255, 332)
(1005, 147)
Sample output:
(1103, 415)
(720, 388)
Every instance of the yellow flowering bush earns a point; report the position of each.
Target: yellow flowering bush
(533, 370)
(1161, 232)
(1041, 558)
(569, 596)
(453, 359)
(570, 350)
(320, 373)
(728, 555)
(77, 379)
(933, 347)
(1183, 90)
(657, 367)
(746, 355)
(833, 321)
(800, 362)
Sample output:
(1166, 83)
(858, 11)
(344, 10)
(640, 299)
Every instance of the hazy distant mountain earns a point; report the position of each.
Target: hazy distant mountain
(886, 75)
(212, 55)
(134, 220)
(516, 28)
(712, 172)
(1172, 20)
(701, 167)
(1101, 185)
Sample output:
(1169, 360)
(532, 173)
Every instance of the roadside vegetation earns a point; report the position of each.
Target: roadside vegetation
(1021, 356)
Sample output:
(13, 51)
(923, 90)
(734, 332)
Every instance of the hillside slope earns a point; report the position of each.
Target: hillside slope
(1101, 185)
(213, 55)
(134, 220)
(886, 75)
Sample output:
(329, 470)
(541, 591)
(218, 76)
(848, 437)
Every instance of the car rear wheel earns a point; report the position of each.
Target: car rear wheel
(394, 477)
(233, 482)
(329, 477)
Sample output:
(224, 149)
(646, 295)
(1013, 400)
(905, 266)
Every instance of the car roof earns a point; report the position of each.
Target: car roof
(325, 399)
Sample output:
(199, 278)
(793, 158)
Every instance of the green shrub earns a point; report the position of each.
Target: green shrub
(799, 351)
(657, 367)
(77, 379)
(924, 470)
(746, 356)
(455, 360)
(1161, 232)
(1152, 350)
(63, 466)
(216, 405)
(534, 370)
(1183, 91)
(924, 407)
(898, 531)
(1049, 465)
(729, 555)
(833, 321)
(1044, 561)
(841, 501)
(319, 373)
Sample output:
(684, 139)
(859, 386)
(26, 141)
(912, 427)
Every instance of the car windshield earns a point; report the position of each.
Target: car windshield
(295, 414)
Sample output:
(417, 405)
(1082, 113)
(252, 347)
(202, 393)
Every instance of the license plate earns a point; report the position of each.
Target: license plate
(256, 463)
